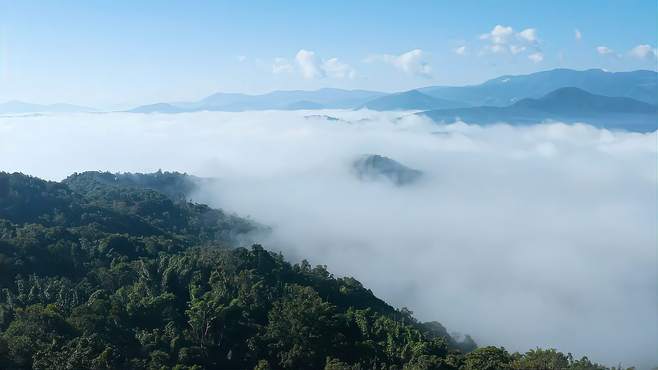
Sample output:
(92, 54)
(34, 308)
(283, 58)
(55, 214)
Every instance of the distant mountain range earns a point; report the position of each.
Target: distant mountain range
(411, 100)
(505, 90)
(276, 100)
(567, 104)
(607, 99)
(499, 92)
(15, 106)
(157, 108)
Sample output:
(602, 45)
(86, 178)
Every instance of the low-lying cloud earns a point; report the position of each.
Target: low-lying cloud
(521, 236)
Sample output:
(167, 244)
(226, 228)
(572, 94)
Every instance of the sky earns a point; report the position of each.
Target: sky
(120, 53)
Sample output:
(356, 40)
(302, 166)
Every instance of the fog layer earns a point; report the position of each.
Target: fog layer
(520, 236)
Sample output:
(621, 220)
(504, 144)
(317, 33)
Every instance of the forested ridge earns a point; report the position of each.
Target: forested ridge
(121, 271)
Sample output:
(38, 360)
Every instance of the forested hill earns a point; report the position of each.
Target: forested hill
(108, 271)
(175, 185)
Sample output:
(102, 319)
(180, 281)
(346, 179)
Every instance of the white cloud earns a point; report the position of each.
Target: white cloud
(499, 34)
(497, 48)
(337, 69)
(529, 35)
(281, 65)
(644, 52)
(503, 39)
(516, 49)
(460, 50)
(604, 50)
(308, 64)
(311, 67)
(577, 34)
(511, 215)
(413, 62)
(536, 57)
(241, 58)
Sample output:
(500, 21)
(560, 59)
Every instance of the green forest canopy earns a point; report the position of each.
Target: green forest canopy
(121, 271)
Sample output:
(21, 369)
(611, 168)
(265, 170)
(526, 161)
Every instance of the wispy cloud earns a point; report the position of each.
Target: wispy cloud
(281, 65)
(311, 67)
(536, 57)
(413, 62)
(337, 69)
(516, 49)
(577, 34)
(608, 52)
(644, 51)
(529, 35)
(460, 50)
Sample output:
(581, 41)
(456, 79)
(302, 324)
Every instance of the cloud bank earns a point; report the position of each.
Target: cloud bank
(521, 236)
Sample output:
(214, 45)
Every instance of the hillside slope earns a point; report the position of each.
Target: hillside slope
(153, 294)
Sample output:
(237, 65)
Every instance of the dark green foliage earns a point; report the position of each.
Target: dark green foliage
(535, 359)
(104, 275)
(487, 358)
(175, 185)
(159, 199)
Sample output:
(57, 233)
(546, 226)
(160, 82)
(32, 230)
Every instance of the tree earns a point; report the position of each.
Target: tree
(34, 330)
(540, 359)
(487, 358)
(301, 329)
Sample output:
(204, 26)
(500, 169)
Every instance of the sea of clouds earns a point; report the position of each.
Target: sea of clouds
(543, 235)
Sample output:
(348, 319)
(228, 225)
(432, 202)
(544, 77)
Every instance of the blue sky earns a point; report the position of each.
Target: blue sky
(112, 53)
